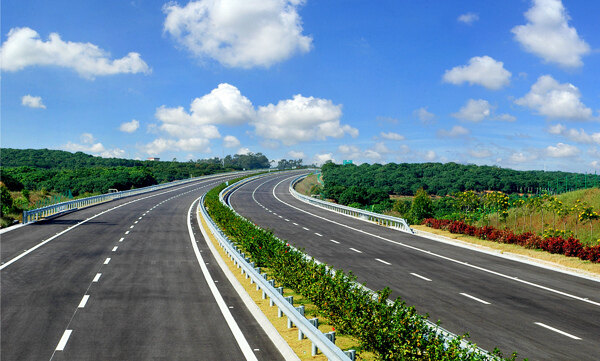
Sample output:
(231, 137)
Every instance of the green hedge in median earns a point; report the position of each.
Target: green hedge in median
(392, 331)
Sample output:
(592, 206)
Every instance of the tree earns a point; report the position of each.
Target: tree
(422, 207)
(6, 202)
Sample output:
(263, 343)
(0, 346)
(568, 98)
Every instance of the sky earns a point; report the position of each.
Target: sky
(513, 83)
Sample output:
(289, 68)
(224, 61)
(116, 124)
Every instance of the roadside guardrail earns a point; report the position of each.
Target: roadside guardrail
(435, 328)
(63, 207)
(381, 219)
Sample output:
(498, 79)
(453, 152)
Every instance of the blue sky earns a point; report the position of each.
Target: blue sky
(511, 83)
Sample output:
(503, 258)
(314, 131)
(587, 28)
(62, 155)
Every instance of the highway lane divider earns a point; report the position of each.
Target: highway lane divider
(389, 328)
(381, 219)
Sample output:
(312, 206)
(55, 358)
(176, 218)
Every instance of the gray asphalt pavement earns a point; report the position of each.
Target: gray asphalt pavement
(123, 286)
(540, 313)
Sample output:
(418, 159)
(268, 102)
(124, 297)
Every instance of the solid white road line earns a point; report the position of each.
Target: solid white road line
(97, 277)
(558, 331)
(121, 240)
(63, 340)
(334, 241)
(83, 301)
(516, 279)
(421, 277)
(382, 261)
(475, 298)
(318, 234)
(115, 248)
(355, 250)
(106, 261)
(233, 326)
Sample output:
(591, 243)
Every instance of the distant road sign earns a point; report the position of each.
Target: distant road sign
(348, 161)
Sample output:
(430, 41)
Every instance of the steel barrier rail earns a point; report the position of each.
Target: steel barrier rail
(56, 209)
(381, 219)
(437, 330)
(305, 327)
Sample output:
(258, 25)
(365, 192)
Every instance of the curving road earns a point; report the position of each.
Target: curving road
(542, 314)
(123, 285)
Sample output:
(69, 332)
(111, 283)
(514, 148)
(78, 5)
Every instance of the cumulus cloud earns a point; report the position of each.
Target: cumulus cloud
(424, 115)
(320, 159)
(296, 154)
(223, 105)
(548, 35)
(32, 102)
(89, 145)
(161, 145)
(130, 127)
(391, 136)
(562, 150)
(579, 136)
(506, 117)
(24, 48)
(554, 100)
(521, 157)
(230, 141)
(468, 18)
(480, 153)
(455, 132)
(481, 70)
(243, 151)
(474, 110)
(237, 33)
(301, 119)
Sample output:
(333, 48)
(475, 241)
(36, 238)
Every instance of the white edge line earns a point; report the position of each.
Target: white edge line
(83, 301)
(421, 277)
(233, 326)
(583, 299)
(557, 330)
(263, 321)
(475, 298)
(63, 340)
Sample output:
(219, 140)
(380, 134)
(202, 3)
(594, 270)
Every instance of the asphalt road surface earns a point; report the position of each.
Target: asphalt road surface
(542, 314)
(125, 285)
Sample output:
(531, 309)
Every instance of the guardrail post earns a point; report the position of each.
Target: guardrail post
(290, 299)
(351, 354)
(300, 310)
(278, 290)
(331, 336)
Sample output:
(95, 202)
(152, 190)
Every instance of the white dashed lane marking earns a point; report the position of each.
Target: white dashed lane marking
(318, 234)
(334, 241)
(476, 299)
(421, 277)
(355, 250)
(83, 301)
(115, 248)
(306, 229)
(63, 340)
(121, 240)
(382, 261)
(557, 331)
(97, 277)
(107, 260)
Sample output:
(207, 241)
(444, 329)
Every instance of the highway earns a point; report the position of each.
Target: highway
(123, 285)
(540, 313)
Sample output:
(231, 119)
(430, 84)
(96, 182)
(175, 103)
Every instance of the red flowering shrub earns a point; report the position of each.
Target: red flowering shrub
(571, 247)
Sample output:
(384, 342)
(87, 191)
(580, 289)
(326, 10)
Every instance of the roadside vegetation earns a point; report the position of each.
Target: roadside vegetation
(391, 331)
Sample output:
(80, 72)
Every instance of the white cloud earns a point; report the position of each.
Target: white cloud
(424, 115)
(130, 127)
(579, 136)
(480, 153)
(474, 110)
(520, 157)
(468, 18)
(562, 150)
(391, 136)
(348, 149)
(555, 100)
(372, 155)
(320, 159)
(24, 48)
(88, 145)
(223, 105)
(32, 102)
(455, 132)
(301, 119)
(161, 145)
(296, 154)
(595, 164)
(230, 141)
(243, 151)
(238, 33)
(506, 117)
(430, 155)
(549, 36)
(381, 148)
(482, 70)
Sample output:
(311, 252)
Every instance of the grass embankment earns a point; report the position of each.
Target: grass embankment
(290, 335)
(307, 185)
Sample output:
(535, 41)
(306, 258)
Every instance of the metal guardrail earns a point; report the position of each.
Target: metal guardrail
(56, 209)
(381, 219)
(309, 328)
(435, 329)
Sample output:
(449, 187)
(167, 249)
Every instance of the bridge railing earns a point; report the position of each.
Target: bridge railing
(56, 209)
(381, 219)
